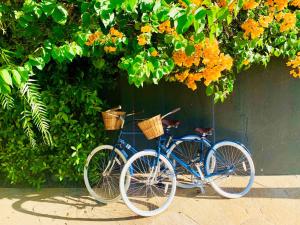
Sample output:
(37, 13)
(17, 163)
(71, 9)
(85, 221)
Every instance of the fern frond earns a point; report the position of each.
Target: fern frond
(30, 92)
(27, 127)
(6, 101)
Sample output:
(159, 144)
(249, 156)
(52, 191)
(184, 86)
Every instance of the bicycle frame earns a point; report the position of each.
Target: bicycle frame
(204, 142)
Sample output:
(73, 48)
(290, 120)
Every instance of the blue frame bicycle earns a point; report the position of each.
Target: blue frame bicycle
(148, 179)
(104, 164)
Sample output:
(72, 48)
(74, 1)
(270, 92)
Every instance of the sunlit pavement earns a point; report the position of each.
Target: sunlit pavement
(272, 200)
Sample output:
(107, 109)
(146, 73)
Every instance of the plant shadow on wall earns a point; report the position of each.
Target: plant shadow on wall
(74, 96)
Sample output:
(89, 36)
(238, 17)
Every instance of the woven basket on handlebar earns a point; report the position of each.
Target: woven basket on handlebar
(112, 119)
(152, 127)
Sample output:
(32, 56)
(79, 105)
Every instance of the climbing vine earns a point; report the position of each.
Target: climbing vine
(193, 42)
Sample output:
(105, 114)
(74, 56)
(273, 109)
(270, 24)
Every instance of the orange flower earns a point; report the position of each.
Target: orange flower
(154, 53)
(289, 21)
(197, 2)
(116, 33)
(252, 29)
(181, 59)
(295, 3)
(165, 27)
(146, 29)
(277, 4)
(214, 62)
(246, 62)
(182, 76)
(109, 49)
(222, 3)
(250, 4)
(211, 52)
(295, 64)
(232, 5)
(265, 20)
(92, 38)
(141, 40)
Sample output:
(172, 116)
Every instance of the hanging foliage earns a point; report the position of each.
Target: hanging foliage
(188, 41)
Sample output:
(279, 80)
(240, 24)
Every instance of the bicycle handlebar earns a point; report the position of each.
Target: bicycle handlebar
(172, 112)
(134, 113)
(114, 109)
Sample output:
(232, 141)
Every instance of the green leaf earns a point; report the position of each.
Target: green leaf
(5, 76)
(16, 78)
(48, 7)
(23, 73)
(189, 50)
(60, 15)
(183, 23)
(209, 90)
(86, 19)
(130, 5)
(5, 89)
(200, 13)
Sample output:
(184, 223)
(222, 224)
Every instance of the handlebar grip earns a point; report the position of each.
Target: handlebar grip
(172, 112)
(175, 110)
(115, 108)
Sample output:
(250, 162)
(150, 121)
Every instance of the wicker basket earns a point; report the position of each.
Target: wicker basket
(112, 120)
(152, 127)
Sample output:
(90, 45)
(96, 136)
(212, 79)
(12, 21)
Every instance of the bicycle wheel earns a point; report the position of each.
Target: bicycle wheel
(102, 173)
(189, 152)
(152, 183)
(234, 171)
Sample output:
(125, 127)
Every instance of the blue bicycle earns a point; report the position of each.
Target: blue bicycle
(148, 179)
(104, 164)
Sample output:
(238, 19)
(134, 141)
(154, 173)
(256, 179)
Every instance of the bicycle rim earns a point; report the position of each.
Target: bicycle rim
(102, 173)
(233, 172)
(151, 186)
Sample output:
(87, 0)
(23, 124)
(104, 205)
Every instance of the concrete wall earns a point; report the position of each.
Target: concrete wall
(263, 113)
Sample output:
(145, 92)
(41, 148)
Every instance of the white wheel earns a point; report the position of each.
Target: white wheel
(152, 183)
(187, 151)
(233, 173)
(102, 173)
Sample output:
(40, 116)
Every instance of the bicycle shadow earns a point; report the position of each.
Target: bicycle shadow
(63, 206)
(76, 205)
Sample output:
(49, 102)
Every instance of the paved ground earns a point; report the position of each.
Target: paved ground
(272, 200)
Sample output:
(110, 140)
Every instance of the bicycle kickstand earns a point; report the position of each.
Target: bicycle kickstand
(200, 183)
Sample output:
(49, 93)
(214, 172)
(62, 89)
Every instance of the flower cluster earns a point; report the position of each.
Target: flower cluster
(142, 40)
(154, 53)
(189, 78)
(115, 33)
(295, 64)
(183, 60)
(109, 49)
(250, 4)
(295, 3)
(146, 29)
(214, 63)
(165, 27)
(288, 21)
(252, 29)
(277, 4)
(92, 38)
(264, 21)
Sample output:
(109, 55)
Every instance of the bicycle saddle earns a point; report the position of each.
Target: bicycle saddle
(204, 131)
(170, 123)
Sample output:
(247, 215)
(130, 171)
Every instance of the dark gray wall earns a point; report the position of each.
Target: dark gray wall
(263, 113)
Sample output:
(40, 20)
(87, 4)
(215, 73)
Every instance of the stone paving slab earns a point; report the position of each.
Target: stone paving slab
(273, 200)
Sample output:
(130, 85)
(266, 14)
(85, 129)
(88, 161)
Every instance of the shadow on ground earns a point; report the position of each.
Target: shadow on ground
(62, 203)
